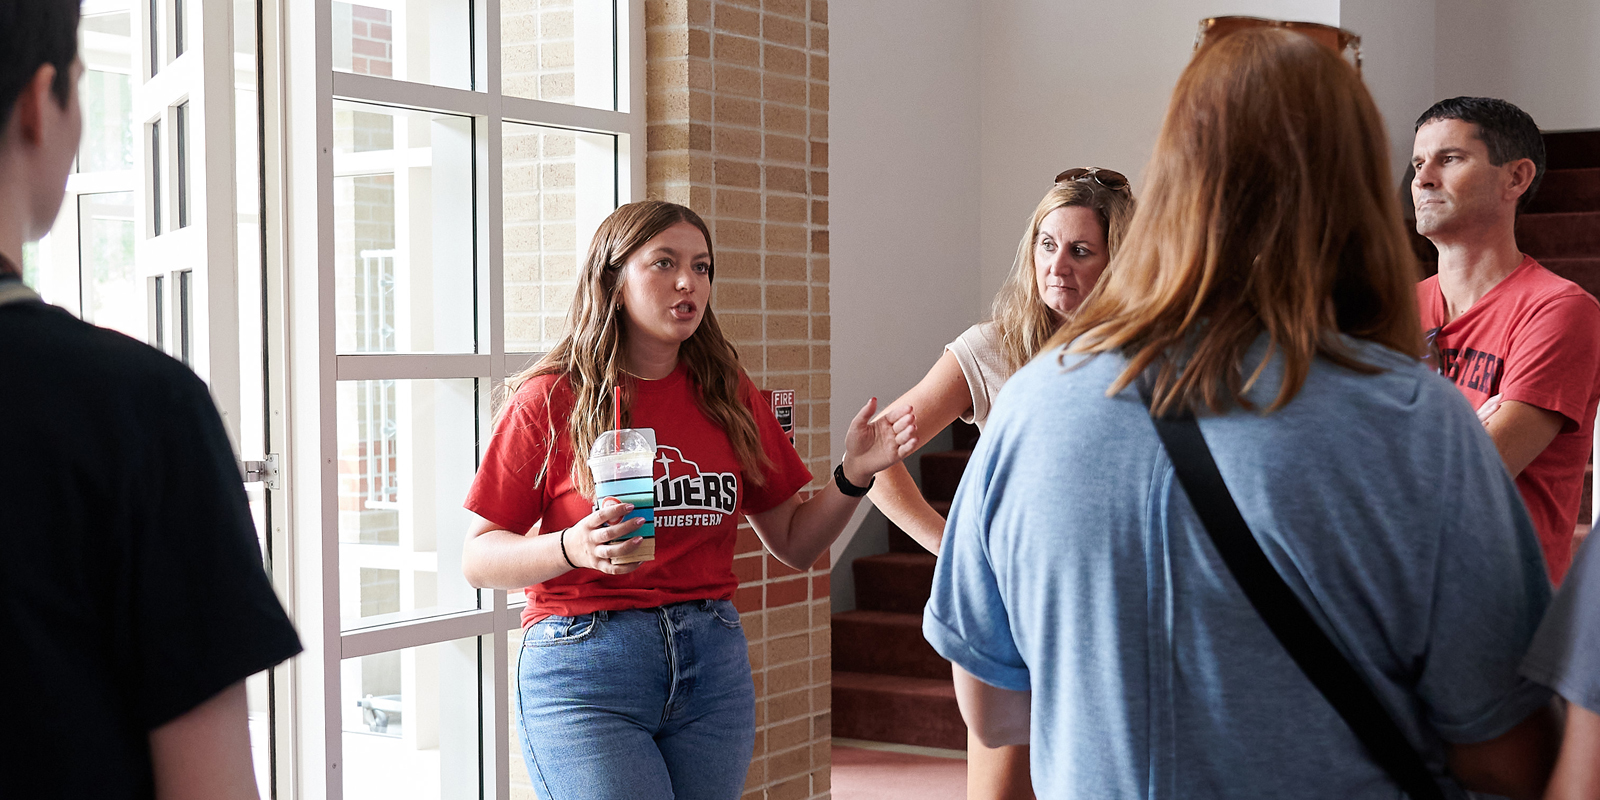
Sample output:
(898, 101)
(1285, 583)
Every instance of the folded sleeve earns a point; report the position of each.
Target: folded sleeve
(1490, 592)
(1566, 651)
(965, 619)
(508, 489)
(198, 612)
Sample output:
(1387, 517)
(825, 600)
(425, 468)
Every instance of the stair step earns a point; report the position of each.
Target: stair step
(1583, 271)
(1572, 150)
(941, 473)
(885, 643)
(894, 581)
(887, 708)
(1567, 190)
(901, 542)
(1568, 235)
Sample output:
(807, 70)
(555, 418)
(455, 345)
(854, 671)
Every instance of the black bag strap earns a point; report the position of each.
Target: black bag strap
(1278, 606)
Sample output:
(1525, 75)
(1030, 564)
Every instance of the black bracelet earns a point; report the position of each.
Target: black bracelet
(846, 487)
(564, 548)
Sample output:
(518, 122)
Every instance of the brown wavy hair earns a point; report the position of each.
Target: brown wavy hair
(1269, 208)
(590, 352)
(1025, 323)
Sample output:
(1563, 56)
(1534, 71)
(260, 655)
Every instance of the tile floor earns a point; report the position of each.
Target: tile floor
(876, 771)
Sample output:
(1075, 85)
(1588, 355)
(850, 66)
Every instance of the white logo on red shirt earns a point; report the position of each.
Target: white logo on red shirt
(683, 487)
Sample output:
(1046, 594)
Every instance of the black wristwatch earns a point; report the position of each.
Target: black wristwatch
(849, 489)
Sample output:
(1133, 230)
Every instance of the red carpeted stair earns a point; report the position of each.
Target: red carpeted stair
(888, 683)
(1560, 228)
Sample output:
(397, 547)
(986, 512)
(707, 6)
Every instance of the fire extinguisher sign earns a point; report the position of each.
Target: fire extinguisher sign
(783, 408)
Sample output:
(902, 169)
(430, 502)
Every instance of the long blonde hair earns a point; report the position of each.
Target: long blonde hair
(590, 353)
(1269, 208)
(1025, 323)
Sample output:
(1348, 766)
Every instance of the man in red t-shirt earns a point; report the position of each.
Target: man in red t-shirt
(1522, 343)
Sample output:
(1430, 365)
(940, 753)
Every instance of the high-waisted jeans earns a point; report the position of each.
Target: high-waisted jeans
(642, 704)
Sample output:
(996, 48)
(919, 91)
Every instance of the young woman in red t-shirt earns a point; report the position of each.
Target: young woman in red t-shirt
(634, 678)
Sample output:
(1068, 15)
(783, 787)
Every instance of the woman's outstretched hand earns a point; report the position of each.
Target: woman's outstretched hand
(873, 445)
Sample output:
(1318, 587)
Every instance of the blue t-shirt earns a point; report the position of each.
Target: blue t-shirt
(1566, 651)
(1073, 566)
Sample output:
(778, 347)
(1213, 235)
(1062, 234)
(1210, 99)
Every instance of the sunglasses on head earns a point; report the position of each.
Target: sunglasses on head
(1340, 40)
(1111, 179)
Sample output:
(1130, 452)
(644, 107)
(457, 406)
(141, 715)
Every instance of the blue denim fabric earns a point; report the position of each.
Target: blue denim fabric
(642, 704)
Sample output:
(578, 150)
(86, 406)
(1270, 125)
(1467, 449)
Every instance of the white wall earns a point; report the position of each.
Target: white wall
(1397, 45)
(903, 205)
(1543, 55)
(903, 166)
(1082, 83)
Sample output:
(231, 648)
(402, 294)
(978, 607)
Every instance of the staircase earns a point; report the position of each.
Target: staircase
(1561, 230)
(1561, 226)
(888, 683)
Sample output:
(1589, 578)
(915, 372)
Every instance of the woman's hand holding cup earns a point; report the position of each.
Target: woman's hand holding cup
(589, 543)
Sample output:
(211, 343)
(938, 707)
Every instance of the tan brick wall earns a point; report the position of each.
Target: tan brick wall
(738, 116)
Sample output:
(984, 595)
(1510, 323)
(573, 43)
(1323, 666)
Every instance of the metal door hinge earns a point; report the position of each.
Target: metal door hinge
(264, 471)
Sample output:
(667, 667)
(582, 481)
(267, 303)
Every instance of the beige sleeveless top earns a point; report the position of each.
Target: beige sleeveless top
(983, 363)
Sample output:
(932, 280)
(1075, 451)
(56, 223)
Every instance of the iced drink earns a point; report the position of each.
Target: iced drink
(623, 463)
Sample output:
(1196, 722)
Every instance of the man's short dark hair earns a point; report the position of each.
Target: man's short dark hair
(34, 33)
(1508, 131)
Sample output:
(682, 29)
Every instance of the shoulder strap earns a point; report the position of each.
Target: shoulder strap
(15, 291)
(1278, 606)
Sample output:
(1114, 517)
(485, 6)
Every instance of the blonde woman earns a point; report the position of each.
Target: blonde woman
(634, 678)
(1070, 239)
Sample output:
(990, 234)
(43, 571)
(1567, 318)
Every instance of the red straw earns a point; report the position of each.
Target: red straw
(616, 414)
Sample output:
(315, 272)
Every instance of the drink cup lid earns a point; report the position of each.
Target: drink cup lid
(628, 441)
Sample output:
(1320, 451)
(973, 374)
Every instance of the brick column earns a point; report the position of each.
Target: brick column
(738, 114)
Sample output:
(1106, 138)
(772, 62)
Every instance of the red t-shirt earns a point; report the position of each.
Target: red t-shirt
(695, 528)
(1534, 338)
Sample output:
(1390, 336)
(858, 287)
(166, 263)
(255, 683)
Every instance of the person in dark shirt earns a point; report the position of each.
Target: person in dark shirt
(133, 603)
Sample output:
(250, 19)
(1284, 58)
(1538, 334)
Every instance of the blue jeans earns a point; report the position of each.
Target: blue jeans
(643, 704)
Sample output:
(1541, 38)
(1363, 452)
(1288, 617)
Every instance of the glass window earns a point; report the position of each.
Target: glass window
(112, 295)
(158, 313)
(30, 263)
(405, 254)
(154, 26)
(521, 784)
(559, 51)
(407, 451)
(186, 317)
(410, 722)
(422, 41)
(107, 100)
(181, 121)
(155, 178)
(558, 186)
